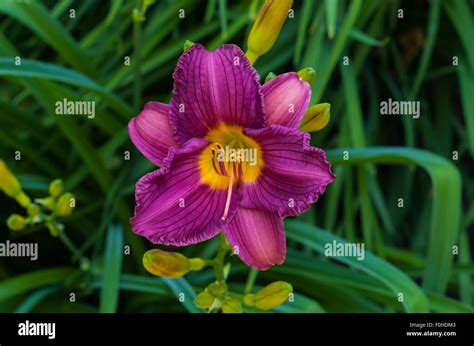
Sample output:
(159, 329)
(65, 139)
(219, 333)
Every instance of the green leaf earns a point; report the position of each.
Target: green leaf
(394, 279)
(445, 218)
(183, 292)
(439, 303)
(23, 283)
(109, 294)
(34, 15)
(38, 69)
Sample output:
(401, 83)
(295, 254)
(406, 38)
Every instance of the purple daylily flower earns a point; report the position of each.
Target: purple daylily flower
(218, 105)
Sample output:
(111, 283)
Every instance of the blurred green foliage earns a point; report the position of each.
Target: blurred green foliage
(426, 56)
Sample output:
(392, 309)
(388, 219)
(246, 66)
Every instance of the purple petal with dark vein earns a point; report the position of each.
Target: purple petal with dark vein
(258, 237)
(294, 173)
(174, 207)
(151, 132)
(286, 100)
(214, 87)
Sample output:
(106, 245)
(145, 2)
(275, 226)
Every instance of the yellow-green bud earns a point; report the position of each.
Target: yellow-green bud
(16, 222)
(307, 74)
(65, 204)
(218, 289)
(267, 27)
(271, 296)
(269, 77)
(316, 117)
(196, 263)
(56, 187)
(231, 306)
(23, 199)
(204, 300)
(166, 264)
(8, 182)
(33, 210)
(138, 16)
(187, 45)
(249, 299)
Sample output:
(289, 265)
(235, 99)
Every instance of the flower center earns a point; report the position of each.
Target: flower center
(230, 159)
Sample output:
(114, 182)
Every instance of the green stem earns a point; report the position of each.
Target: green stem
(219, 260)
(69, 244)
(250, 280)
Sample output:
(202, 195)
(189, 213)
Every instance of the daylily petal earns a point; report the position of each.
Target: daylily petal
(258, 237)
(151, 132)
(214, 87)
(294, 173)
(286, 99)
(173, 207)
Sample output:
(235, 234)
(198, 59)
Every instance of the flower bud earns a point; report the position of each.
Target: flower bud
(23, 199)
(218, 289)
(33, 210)
(138, 16)
(231, 306)
(270, 296)
(56, 187)
(166, 264)
(267, 27)
(316, 117)
(188, 44)
(16, 222)
(307, 74)
(204, 300)
(65, 204)
(196, 263)
(8, 182)
(269, 77)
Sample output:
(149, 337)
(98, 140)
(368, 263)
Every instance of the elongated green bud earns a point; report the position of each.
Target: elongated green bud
(231, 306)
(11, 186)
(267, 27)
(23, 199)
(316, 117)
(307, 74)
(56, 187)
(270, 296)
(170, 264)
(8, 182)
(65, 204)
(204, 300)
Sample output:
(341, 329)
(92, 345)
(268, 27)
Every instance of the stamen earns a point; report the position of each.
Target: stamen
(229, 196)
(221, 170)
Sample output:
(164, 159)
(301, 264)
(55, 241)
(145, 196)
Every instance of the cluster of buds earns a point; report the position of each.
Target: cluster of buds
(317, 116)
(262, 37)
(216, 296)
(57, 204)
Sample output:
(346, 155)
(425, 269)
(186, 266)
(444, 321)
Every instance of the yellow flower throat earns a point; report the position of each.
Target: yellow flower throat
(231, 158)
